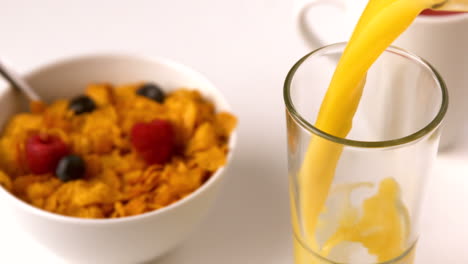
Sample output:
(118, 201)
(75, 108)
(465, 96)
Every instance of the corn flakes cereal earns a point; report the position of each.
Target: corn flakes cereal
(5, 181)
(185, 142)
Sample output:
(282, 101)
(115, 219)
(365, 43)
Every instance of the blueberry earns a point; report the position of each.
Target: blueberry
(82, 104)
(152, 91)
(70, 167)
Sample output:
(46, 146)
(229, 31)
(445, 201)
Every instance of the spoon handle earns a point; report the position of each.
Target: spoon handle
(18, 83)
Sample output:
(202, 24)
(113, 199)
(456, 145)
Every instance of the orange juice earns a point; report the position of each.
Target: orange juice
(380, 24)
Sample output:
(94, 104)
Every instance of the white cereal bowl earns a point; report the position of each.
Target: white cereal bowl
(126, 240)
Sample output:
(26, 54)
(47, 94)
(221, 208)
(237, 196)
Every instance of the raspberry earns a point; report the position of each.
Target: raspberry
(154, 141)
(43, 152)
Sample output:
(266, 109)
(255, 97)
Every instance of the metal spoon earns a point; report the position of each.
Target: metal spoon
(18, 83)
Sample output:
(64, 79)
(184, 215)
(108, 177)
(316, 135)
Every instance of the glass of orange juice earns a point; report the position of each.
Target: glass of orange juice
(359, 200)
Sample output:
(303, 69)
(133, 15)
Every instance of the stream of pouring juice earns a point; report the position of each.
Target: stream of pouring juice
(380, 24)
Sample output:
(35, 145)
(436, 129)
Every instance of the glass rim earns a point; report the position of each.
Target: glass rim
(431, 126)
(394, 260)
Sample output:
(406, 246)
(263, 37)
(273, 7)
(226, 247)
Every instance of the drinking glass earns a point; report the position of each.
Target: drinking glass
(393, 142)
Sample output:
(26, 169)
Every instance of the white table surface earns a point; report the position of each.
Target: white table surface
(246, 48)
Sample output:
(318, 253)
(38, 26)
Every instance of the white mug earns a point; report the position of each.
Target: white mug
(442, 40)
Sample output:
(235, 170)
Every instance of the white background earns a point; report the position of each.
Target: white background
(246, 48)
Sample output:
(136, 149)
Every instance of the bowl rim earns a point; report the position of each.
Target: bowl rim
(216, 176)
